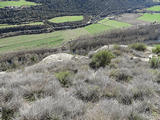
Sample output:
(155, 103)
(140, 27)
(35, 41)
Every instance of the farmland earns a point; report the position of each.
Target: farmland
(49, 40)
(97, 28)
(105, 25)
(150, 17)
(154, 8)
(16, 3)
(30, 41)
(54, 39)
(66, 19)
(113, 23)
(8, 26)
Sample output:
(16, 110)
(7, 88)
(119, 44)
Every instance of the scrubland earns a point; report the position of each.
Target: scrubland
(68, 87)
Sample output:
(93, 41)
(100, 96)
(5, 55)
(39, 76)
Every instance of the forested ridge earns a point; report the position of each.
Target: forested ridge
(52, 8)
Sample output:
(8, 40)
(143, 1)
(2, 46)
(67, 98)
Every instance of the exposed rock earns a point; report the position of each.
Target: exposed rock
(106, 47)
(61, 57)
(2, 73)
(143, 56)
(59, 62)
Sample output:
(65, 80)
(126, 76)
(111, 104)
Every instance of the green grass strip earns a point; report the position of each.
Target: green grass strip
(16, 3)
(66, 19)
(8, 26)
(154, 8)
(150, 17)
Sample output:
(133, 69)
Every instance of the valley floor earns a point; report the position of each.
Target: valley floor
(55, 39)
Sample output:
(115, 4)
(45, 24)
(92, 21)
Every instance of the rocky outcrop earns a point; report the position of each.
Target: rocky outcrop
(61, 58)
(143, 56)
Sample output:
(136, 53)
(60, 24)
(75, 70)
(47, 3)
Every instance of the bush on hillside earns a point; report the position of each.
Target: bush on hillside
(158, 78)
(7, 114)
(101, 59)
(138, 46)
(63, 78)
(155, 62)
(116, 47)
(156, 49)
(121, 75)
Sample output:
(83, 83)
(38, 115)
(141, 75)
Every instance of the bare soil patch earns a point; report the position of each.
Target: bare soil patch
(131, 18)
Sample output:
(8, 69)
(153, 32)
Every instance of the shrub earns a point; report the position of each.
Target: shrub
(138, 46)
(135, 116)
(7, 114)
(101, 59)
(87, 92)
(117, 52)
(63, 78)
(121, 75)
(113, 65)
(116, 47)
(63, 107)
(158, 78)
(156, 49)
(155, 62)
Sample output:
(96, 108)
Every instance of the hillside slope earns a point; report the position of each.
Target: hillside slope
(64, 87)
(51, 8)
(93, 6)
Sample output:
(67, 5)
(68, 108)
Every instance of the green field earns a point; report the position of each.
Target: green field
(154, 8)
(105, 25)
(114, 24)
(150, 17)
(45, 40)
(8, 26)
(66, 19)
(16, 3)
(54, 39)
(97, 28)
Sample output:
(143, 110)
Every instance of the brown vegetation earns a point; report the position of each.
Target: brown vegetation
(82, 46)
(128, 36)
(71, 90)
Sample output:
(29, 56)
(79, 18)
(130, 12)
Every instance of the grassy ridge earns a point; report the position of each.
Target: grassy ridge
(150, 17)
(66, 19)
(154, 8)
(16, 3)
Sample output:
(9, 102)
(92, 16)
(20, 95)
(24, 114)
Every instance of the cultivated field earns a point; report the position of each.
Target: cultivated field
(46, 40)
(97, 28)
(16, 3)
(66, 19)
(131, 18)
(154, 8)
(105, 25)
(138, 19)
(8, 26)
(54, 39)
(113, 23)
(150, 17)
